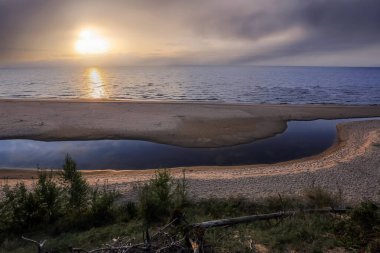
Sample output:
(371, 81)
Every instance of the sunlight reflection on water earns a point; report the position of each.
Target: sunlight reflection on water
(96, 83)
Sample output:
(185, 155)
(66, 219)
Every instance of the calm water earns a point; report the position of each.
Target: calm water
(220, 84)
(301, 139)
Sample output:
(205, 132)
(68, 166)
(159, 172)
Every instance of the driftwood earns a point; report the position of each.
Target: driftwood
(193, 235)
(252, 218)
(40, 245)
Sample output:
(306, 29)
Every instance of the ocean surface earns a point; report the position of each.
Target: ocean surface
(241, 84)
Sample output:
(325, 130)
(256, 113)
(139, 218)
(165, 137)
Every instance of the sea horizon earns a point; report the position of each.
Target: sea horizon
(215, 84)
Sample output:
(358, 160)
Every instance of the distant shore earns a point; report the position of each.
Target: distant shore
(178, 123)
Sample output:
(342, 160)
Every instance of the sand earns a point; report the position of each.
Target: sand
(352, 165)
(182, 124)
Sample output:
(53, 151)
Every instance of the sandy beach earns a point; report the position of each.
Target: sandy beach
(182, 124)
(351, 165)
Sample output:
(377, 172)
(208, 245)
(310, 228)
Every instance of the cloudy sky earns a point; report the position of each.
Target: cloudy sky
(183, 32)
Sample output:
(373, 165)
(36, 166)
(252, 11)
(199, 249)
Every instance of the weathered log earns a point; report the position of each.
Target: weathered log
(252, 218)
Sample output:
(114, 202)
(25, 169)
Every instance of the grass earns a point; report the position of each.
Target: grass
(95, 218)
(94, 237)
(304, 233)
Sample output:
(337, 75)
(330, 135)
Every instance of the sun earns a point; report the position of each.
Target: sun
(91, 42)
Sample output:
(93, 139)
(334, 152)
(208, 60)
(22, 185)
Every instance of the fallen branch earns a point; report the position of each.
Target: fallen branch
(252, 218)
(40, 245)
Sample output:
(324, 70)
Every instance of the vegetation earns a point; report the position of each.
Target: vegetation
(160, 197)
(58, 203)
(65, 210)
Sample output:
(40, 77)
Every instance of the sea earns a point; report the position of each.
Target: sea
(220, 84)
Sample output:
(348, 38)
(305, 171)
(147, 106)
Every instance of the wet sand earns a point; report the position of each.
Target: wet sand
(351, 166)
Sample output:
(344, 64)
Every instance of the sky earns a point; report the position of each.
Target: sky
(193, 32)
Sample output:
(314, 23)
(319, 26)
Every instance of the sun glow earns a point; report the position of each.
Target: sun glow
(91, 42)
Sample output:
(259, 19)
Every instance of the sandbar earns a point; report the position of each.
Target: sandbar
(176, 123)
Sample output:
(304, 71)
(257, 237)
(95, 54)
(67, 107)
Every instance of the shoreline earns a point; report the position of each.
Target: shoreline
(180, 124)
(31, 173)
(157, 101)
(338, 144)
(349, 166)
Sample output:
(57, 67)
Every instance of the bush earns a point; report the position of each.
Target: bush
(362, 228)
(20, 210)
(154, 198)
(101, 209)
(180, 192)
(128, 211)
(64, 203)
(76, 185)
(366, 216)
(49, 196)
(160, 196)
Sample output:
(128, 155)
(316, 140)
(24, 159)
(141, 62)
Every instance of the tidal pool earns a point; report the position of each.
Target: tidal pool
(301, 139)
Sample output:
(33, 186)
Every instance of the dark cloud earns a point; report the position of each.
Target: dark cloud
(334, 25)
(39, 26)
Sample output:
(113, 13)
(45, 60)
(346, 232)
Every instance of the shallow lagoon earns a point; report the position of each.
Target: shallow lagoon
(301, 139)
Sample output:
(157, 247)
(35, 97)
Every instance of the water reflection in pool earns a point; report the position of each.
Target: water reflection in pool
(301, 139)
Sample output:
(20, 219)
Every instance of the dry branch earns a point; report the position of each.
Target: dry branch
(252, 218)
(40, 245)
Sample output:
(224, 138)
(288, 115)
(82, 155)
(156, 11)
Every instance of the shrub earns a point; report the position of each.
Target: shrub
(366, 216)
(65, 203)
(77, 187)
(161, 195)
(362, 228)
(101, 208)
(49, 196)
(127, 211)
(180, 194)
(20, 209)
(153, 204)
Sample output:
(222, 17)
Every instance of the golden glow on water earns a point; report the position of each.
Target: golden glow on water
(96, 83)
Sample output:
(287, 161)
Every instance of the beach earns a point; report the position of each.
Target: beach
(350, 166)
(176, 123)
